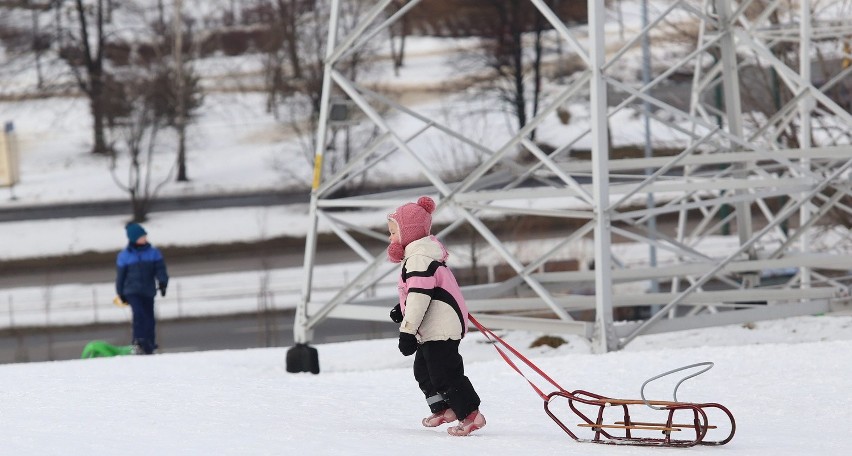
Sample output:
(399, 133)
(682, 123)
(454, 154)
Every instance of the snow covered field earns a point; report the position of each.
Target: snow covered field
(787, 383)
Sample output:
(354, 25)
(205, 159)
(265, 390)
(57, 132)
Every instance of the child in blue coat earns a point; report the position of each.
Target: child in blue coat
(140, 272)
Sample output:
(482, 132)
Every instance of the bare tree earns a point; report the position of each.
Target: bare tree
(154, 94)
(27, 44)
(86, 49)
(185, 86)
(158, 93)
(505, 53)
(398, 32)
(139, 130)
(40, 43)
(283, 63)
(296, 65)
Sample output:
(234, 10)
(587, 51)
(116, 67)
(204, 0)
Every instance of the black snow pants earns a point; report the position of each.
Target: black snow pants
(439, 371)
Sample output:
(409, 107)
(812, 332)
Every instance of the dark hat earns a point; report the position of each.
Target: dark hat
(134, 232)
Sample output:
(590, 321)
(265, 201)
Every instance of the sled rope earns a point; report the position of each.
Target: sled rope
(674, 393)
(495, 339)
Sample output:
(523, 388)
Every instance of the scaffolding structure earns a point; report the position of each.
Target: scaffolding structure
(771, 181)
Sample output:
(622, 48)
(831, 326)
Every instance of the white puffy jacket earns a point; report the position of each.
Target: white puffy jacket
(429, 296)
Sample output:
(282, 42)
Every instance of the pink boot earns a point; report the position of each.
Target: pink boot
(473, 422)
(439, 418)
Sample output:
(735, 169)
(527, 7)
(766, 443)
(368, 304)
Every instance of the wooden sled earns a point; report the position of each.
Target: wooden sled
(676, 428)
(687, 418)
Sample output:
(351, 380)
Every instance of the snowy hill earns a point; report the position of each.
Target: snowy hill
(786, 382)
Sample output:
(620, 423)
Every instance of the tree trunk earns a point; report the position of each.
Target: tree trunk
(94, 87)
(539, 26)
(518, 63)
(289, 22)
(137, 207)
(37, 49)
(96, 101)
(181, 172)
(398, 54)
(140, 211)
(180, 92)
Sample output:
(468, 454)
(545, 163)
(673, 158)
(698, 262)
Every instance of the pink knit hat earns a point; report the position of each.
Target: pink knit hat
(414, 221)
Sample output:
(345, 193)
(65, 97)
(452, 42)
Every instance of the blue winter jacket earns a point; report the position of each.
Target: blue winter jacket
(137, 267)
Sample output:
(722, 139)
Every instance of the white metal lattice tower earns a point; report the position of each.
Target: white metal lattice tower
(773, 176)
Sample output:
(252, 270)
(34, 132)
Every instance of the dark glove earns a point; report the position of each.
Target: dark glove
(396, 314)
(162, 290)
(407, 344)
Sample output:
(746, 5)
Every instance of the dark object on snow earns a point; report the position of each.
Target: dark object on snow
(550, 341)
(303, 358)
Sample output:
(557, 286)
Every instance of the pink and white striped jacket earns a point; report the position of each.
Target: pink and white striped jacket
(430, 297)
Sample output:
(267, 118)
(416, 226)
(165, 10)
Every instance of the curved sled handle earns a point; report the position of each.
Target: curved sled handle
(674, 394)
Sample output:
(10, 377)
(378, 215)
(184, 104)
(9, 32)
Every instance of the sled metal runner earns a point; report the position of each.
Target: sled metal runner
(687, 418)
(630, 432)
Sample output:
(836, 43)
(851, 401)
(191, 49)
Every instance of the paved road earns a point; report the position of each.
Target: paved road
(204, 262)
(232, 332)
(14, 212)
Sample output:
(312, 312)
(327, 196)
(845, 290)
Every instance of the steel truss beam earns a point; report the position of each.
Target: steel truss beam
(734, 167)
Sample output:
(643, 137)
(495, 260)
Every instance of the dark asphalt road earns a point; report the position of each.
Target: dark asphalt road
(209, 261)
(10, 212)
(222, 333)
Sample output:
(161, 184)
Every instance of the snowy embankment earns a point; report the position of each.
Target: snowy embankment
(787, 383)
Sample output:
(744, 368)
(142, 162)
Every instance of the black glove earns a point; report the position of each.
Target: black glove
(407, 344)
(162, 290)
(396, 314)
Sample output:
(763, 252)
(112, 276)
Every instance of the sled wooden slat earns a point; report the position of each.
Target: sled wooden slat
(621, 426)
(663, 424)
(610, 401)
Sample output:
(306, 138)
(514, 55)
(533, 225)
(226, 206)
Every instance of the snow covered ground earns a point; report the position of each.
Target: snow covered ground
(787, 383)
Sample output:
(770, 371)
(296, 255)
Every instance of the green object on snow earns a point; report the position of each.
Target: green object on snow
(102, 349)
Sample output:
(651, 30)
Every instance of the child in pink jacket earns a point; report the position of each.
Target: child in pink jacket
(433, 319)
